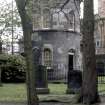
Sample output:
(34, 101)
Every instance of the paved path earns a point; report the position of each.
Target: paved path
(44, 103)
(50, 103)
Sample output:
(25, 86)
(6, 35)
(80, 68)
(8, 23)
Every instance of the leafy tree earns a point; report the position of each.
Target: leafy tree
(9, 23)
(13, 68)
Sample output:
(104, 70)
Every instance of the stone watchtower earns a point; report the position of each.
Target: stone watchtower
(56, 39)
(56, 32)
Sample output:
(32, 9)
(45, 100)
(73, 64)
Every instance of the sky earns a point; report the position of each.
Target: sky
(96, 6)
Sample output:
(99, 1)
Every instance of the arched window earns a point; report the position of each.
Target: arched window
(71, 22)
(55, 19)
(47, 58)
(64, 19)
(46, 18)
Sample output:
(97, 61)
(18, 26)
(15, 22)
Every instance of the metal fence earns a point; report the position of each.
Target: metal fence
(101, 81)
(101, 75)
(57, 76)
(101, 78)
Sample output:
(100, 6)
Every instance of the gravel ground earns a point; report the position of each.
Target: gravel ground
(51, 103)
(44, 103)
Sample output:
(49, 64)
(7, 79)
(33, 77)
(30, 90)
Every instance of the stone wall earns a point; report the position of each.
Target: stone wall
(48, 14)
(60, 42)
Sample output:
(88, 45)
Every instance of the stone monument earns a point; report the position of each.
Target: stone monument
(74, 81)
(40, 73)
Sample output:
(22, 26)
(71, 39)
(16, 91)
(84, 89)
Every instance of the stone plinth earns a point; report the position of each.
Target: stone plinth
(41, 80)
(74, 81)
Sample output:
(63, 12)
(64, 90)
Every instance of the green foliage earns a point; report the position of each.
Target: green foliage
(13, 60)
(9, 22)
(13, 68)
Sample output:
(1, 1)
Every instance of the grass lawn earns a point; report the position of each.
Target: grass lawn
(101, 88)
(13, 92)
(17, 92)
(58, 89)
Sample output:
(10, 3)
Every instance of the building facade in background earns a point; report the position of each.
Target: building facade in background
(99, 35)
(101, 8)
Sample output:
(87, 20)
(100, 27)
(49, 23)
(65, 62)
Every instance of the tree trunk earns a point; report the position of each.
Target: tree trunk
(89, 88)
(30, 73)
(0, 65)
(0, 46)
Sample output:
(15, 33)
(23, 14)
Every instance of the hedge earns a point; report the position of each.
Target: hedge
(12, 68)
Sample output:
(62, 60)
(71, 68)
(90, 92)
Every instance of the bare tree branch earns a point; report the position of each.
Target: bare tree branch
(65, 3)
(66, 16)
(76, 7)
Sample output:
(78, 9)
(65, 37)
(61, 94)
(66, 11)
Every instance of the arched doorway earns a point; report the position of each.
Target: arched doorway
(71, 53)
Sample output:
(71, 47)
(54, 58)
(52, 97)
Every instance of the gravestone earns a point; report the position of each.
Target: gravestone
(40, 73)
(74, 81)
